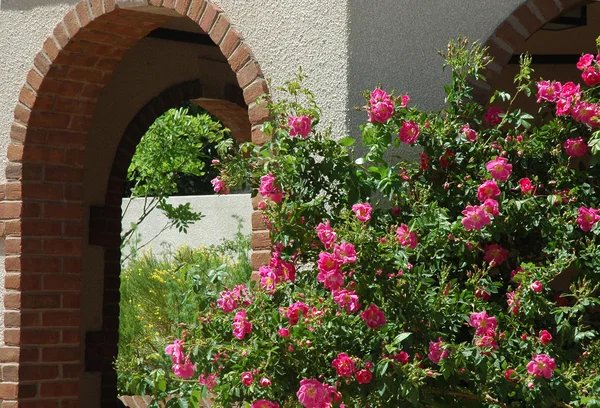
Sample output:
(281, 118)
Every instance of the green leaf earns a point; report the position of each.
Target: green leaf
(347, 141)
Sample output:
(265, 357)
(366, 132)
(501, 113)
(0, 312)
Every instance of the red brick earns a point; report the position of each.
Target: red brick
(219, 29)
(41, 62)
(76, 60)
(42, 155)
(61, 87)
(38, 372)
(61, 319)
(209, 17)
(83, 13)
(258, 113)
(196, 9)
(9, 354)
(27, 246)
(507, 33)
(12, 337)
(62, 247)
(230, 42)
(260, 258)
(248, 74)
(70, 336)
(42, 191)
(170, 4)
(63, 174)
(61, 354)
(34, 79)
(10, 210)
(32, 264)
(36, 403)
(547, 8)
(10, 373)
(108, 64)
(182, 6)
(71, 23)
(80, 123)
(239, 58)
(261, 240)
(30, 319)
(258, 222)
(62, 283)
(97, 8)
(39, 301)
(254, 90)
(500, 55)
(72, 370)
(13, 318)
(22, 114)
(59, 389)
(71, 301)
(8, 391)
(49, 120)
(61, 35)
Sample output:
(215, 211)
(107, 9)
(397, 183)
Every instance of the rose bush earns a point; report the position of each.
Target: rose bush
(466, 279)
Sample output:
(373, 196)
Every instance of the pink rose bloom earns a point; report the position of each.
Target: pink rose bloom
(227, 301)
(541, 366)
(219, 185)
(475, 218)
(486, 342)
(537, 286)
(548, 91)
(513, 303)
(380, 107)
(247, 378)
(493, 116)
(405, 101)
(485, 325)
(584, 112)
(469, 133)
(489, 189)
(406, 237)
(299, 125)
(241, 326)
(185, 370)
(283, 332)
(373, 316)
(285, 271)
(344, 253)
(437, 351)
(264, 404)
(495, 253)
(576, 147)
(362, 211)
(447, 159)
(590, 76)
(175, 350)
(424, 162)
(268, 279)
(326, 234)
(293, 312)
(402, 357)
(585, 61)
(332, 280)
(409, 132)
(327, 262)
(363, 376)
(587, 218)
(264, 382)
(209, 381)
(545, 337)
(499, 168)
(563, 106)
(313, 394)
(526, 186)
(268, 188)
(347, 300)
(569, 90)
(491, 207)
(344, 365)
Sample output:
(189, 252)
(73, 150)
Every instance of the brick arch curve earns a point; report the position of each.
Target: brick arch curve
(42, 215)
(523, 22)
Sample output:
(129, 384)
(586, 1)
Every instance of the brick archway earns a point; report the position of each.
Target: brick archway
(525, 21)
(43, 217)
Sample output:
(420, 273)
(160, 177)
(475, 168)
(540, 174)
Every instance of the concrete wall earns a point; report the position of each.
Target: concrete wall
(219, 221)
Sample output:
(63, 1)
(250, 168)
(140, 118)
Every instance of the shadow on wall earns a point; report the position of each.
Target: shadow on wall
(31, 4)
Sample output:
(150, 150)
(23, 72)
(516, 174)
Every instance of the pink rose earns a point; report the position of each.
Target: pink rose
(590, 76)
(499, 168)
(424, 162)
(569, 90)
(489, 189)
(469, 133)
(437, 351)
(264, 404)
(585, 61)
(268, 188)
(491, 207)
(545, 337)
(326, 234)
(487, 342)
(299, 125)
(406, 237)
(264, 382)
(293, 312)
(584, 112)
(402, 357)
(587, 218)
(493, 116)
(185, 370)
(513, 302)
(344, 365)
(344, 253)
(495, 253)
(268, 279)
(475, 218)
(541, 366)
(227, 301)
(347, 300)
(485, 325)
(537, 286)
(219, 185)
(327, 262)
(313, 394)
(362, 211)
(380, 107)
(283, 332)
(363, 376)
(247, 378)
(526, 186)
(409, 132)
(576, 147)
(548, 91)
(373, 317)
(241, 326)
(175, 350)
(405, 100)
(209, 381)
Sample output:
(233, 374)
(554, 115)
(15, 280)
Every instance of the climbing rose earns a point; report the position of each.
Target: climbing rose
(491, 207)
(247, 378)
(380, 107)
(424, 162)
(587, 218)
(326, 234)
(495, 253)
(486, 342)
(513, 303)
(475, 218)
(402, 357)
(363, 376)
(313, 394)
(241, 326)
(541, 366)
(268, 279)
(264, 382)
(493, 116)
(537, 286)
(362, 211)
(219, 185)
(485, 325)
(526, 186)
(268, 188)
(264, 404)
(406, 237)
(510, 374)
(347, 300)
(584, 112)
(576, 147)
(299, 125)
(293, 312)
(489, 189)
(548, 91)
(499, 168)
(209, 381)
(585, 61)
(373, 317)
(344, 365)
(591, 76)
(344, 253)
(405, 100)
(409, 132)
(175, 350)
(436, 352)
(469, 133)
(283, 332)
(545, 337)
(227, 301)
